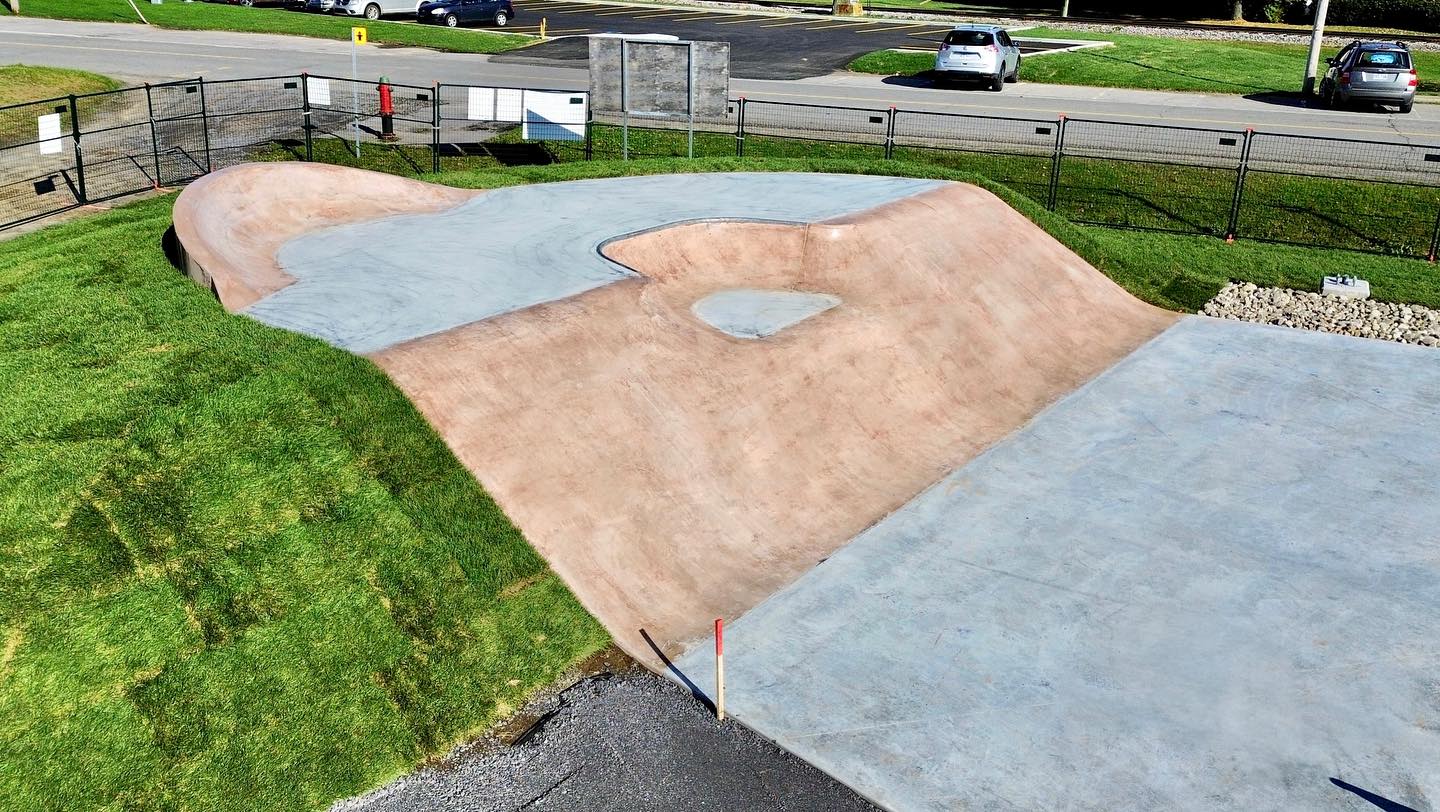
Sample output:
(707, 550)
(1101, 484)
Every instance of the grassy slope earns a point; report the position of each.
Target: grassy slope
(239, 571)
(1154, 63)
(24, 83)
(216, 17)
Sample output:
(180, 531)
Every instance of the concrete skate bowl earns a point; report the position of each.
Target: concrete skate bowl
(669, 471)
(997, 534)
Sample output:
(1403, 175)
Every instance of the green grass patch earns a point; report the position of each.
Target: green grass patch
(26, 83)
(1154, 63)
(218, 17)
(240, 571)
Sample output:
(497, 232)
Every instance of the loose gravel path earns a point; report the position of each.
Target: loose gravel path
(626, 741)
(1365, 318)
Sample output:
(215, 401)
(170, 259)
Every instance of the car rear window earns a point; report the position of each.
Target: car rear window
(1383, 59)
(969, 38)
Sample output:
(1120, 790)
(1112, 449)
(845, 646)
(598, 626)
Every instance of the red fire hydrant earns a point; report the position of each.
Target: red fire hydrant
(387, 111)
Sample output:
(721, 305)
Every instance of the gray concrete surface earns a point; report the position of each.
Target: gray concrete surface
(749, 313)
(1207, 580)
(135, 52)
(632, 743)
(367, 286)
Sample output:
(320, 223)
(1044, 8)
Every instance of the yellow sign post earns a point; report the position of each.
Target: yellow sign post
(358, 37)
(542, 28)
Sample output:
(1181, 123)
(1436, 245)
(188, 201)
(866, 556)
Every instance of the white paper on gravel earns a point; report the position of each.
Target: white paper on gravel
(554, 116)
(496, 104)
(49, 134)
(318, 90)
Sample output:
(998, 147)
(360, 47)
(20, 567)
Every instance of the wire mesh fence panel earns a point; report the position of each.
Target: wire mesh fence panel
(1345, 158)
(1145, 194)
(180, 148)
(38, 174)
(1018, 136)
(116, 143)
(812, 122)
(1374, 216)
(1192, 146)
(249, 119)
(503, 126)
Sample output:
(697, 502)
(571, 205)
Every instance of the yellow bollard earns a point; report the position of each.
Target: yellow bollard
(542, 28)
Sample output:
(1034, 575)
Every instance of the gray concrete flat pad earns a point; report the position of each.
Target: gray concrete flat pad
(750, 313)
(366, 286)
(1207, 580)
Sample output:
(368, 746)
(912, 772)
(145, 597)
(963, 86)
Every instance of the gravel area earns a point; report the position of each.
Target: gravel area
(617, 741)
(1366, 318)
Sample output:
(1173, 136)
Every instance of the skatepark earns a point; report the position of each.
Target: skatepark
(992, 533)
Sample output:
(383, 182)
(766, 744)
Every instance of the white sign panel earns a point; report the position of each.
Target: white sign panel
(318, 90)
(495, 104)
(50, 139)
(554, 116)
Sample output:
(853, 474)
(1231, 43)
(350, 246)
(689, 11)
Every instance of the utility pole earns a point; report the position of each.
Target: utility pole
(1322, 8)
(1065, 8)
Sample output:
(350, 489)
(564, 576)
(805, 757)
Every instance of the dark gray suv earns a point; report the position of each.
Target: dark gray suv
(1373, 72)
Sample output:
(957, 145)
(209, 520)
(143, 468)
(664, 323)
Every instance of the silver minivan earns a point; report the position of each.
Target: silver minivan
(979, 52)
(372, 9)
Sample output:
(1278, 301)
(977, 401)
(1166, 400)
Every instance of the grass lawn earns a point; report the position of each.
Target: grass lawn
(240, 571)
(1154, 63)
(218, 17)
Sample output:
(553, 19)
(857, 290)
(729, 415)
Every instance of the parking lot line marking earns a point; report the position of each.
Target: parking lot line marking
(882, 27)
(827, 26)
(755, 19)
(792, 22)
(660, 14)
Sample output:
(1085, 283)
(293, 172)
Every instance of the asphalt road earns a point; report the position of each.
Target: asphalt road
(137, 53)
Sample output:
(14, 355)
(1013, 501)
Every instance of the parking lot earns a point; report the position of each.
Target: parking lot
(763, 45)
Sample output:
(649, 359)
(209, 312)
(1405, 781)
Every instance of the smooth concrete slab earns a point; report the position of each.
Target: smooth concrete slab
(751, 313)
(1145, 599)
(366, 286)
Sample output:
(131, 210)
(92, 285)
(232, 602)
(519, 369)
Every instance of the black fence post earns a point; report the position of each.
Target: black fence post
(740, 129)
(1435, 237)
(890, 133)
(1055, 161)
(154, 137)
(79, 153)
(205, 124)
(1240, 173)
(589, 129)
(435, 127)
(305, 115)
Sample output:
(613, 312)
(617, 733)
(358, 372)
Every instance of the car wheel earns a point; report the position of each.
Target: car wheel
(372, 12)
(997, 82)
(502, 19)
(1406, 107)
(1014, 77)
(247, 2)
(451, 20)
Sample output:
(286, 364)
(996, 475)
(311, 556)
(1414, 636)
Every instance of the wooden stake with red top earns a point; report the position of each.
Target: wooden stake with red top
(720, 669)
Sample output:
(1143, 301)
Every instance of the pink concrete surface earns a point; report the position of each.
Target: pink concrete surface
(672, 474)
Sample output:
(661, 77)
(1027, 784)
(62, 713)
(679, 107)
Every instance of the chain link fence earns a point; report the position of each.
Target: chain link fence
(58, 154)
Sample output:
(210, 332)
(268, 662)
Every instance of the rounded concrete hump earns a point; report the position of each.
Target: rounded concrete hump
(229, 224)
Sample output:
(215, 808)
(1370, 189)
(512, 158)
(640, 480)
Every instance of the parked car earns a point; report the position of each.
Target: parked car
(320, 6)
(455, 12)
(252, 2)
(979, 53)
(373, 9)
(1374, 72)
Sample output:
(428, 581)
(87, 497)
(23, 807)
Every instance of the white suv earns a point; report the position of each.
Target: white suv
(983, 52)
(372, 9)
